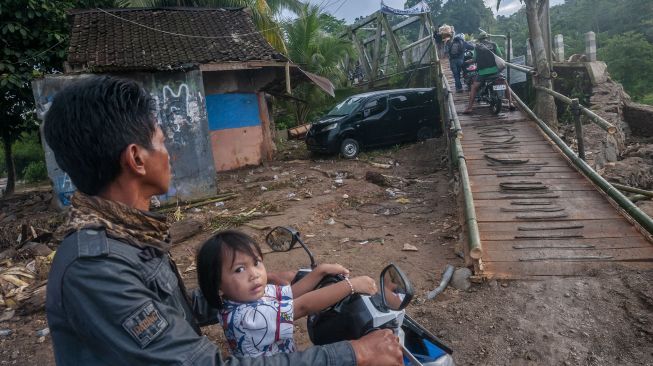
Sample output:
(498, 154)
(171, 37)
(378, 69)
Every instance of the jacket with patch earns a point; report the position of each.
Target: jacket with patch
(110, 303)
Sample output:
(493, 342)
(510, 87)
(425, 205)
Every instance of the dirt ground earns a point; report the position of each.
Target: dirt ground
(606, 319)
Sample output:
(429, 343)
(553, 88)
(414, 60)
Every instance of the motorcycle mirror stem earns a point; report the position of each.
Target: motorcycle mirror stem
(310, 254)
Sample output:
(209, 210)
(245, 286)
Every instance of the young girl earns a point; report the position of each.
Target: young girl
(257, 318)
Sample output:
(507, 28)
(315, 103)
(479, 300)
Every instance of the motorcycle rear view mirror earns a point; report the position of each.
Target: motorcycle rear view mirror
(283, 238)
(396, 289)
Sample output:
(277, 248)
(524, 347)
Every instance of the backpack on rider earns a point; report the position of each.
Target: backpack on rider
(484, 56)
(457, 48)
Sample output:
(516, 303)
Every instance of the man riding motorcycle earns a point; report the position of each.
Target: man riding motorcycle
(484, 52)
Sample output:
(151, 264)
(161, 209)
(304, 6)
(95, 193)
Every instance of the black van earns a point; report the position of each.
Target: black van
(376, 118)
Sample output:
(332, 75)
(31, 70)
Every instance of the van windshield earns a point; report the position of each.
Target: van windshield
(345, 107)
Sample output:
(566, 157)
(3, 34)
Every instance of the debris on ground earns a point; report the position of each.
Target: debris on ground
(409, 248)
(461, 279)
(184, 229)
(185, 205)
(379, 165)
(377, 178)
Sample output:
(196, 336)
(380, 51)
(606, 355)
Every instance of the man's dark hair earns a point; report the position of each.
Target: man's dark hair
(91, 122)
(220, 248)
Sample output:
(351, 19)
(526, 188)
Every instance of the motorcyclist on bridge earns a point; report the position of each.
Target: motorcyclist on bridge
(487, 68)
(455, 47)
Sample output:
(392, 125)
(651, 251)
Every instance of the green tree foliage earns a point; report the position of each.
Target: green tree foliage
(610, 20)
(466, 15)
(313, 48)
(629, 57)
(263, 12)
(34, 36)
(332, 25)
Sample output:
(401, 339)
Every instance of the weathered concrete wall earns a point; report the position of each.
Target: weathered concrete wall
(181, 111)
(239, 121)
(640, 119)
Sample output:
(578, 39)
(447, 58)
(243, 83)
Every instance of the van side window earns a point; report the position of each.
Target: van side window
(375, 106)
(424, 98)
(405, 101)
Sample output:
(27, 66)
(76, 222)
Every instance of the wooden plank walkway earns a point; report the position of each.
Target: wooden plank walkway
(538, 216)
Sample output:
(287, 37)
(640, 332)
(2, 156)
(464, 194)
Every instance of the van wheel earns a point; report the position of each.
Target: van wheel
(424, 133)
(349, 148)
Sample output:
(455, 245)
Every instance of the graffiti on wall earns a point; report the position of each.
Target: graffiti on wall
(64, 188)
(179, 113)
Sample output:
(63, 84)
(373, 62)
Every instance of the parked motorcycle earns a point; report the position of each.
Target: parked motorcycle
(357, 315)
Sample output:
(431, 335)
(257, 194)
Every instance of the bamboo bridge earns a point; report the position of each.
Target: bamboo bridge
(535, 213)
(532, 207)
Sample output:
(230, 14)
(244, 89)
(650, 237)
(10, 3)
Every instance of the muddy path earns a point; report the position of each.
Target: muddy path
(362, 215)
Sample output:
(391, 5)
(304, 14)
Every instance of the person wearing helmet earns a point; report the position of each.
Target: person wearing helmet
(454, 47)
(484, 52)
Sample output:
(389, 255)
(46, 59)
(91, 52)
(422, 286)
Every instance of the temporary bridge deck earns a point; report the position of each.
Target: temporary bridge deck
(537, 214)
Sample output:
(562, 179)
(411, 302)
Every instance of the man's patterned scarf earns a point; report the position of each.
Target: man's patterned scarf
(121, 222)
(138, 228)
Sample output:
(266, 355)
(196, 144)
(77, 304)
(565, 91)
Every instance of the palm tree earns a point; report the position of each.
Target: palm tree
(263, 12)
(314, 50)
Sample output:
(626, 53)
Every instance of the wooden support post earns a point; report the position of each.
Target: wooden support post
(575, 110)
(346, 65)
(376, 55)
(362, 55)
(590, 45)
(417, 51)
(393, 41)
(288, 86)
(387, 56)
(431, 28)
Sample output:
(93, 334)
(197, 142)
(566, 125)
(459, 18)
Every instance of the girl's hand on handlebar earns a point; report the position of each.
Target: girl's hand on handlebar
(332, 269)
(364, 285)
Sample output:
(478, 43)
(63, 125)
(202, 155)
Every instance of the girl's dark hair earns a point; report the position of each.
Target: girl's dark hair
(212, 255)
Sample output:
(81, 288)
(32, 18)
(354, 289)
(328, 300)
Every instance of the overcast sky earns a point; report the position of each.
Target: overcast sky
(350, 9)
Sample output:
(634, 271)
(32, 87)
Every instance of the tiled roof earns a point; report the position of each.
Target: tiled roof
(163, 39)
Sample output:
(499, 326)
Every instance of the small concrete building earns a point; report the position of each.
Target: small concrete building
(209, 71)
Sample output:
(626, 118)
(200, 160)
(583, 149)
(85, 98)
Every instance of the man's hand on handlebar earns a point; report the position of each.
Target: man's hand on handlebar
(378, 348)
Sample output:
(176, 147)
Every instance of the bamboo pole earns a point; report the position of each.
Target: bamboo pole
(638, 197)
(626, 188)
(605, 125)
(196, 203)
(623, 202)
(452, 107)
(526, 69)
(475, 248)
(474, 236)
